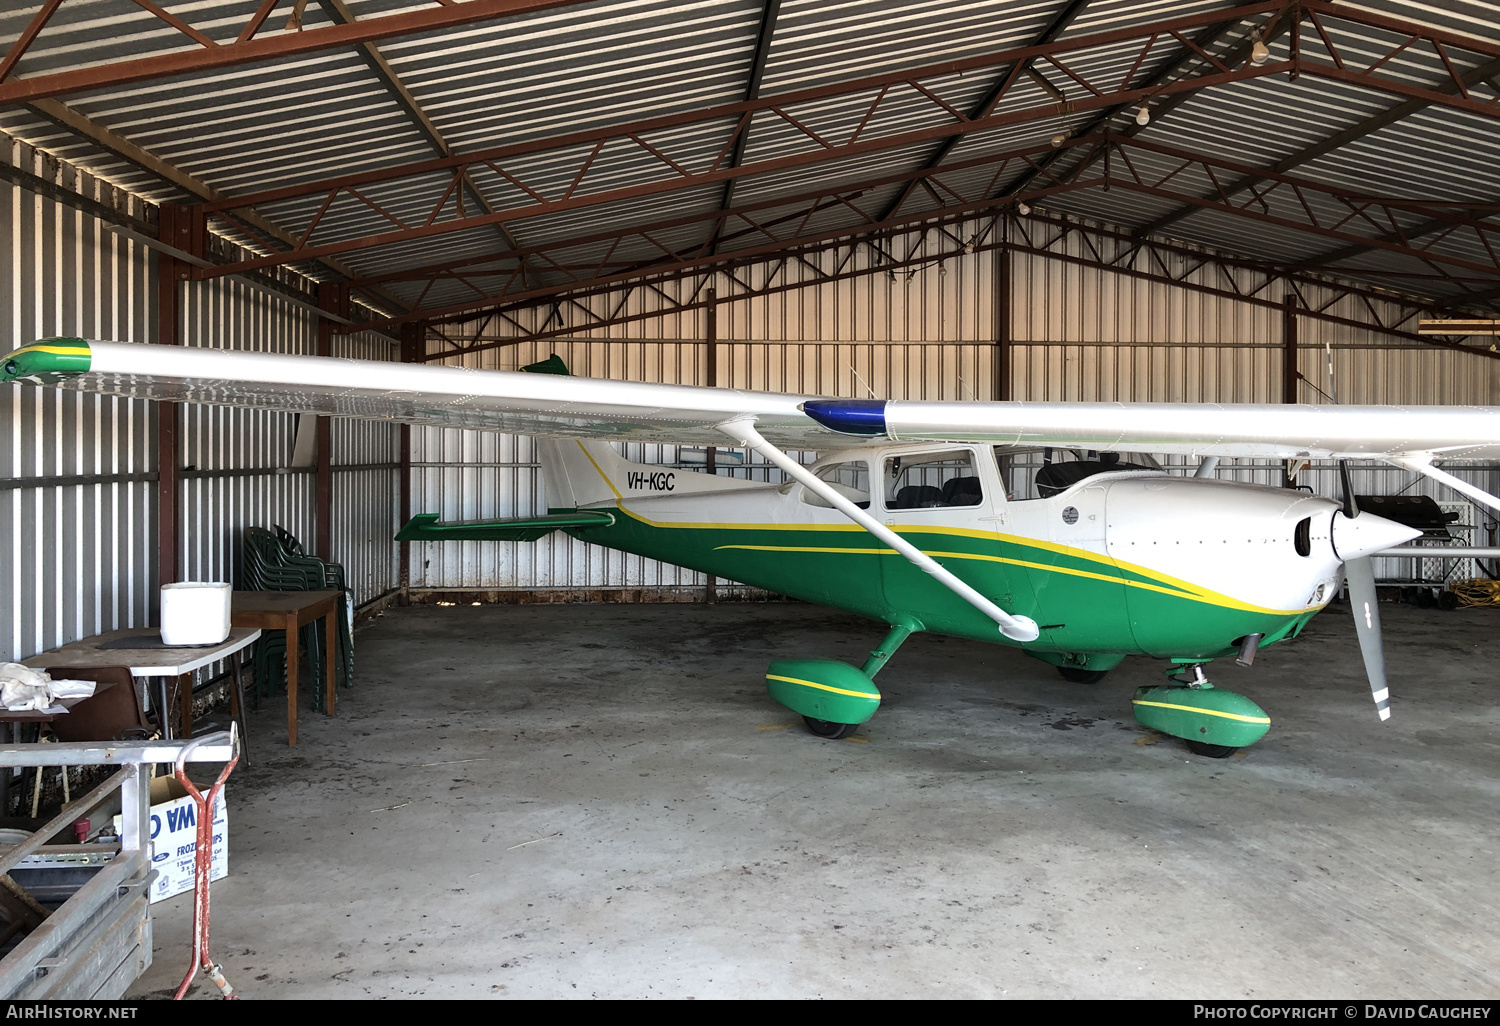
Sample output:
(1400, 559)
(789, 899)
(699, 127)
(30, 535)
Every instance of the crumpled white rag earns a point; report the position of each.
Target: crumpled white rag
(23, 689)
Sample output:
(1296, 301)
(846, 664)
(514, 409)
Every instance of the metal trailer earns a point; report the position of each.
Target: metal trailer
(98, 941)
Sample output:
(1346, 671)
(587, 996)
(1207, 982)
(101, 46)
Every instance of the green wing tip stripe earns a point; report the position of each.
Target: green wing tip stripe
(47, 361)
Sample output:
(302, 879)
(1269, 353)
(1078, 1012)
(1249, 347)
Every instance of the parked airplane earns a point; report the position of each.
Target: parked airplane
(1027, 524)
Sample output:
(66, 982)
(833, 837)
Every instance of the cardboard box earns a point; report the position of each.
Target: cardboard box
(174, 838)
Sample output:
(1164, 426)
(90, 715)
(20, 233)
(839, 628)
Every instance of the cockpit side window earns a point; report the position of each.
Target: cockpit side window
(851, 479)
(932, 480)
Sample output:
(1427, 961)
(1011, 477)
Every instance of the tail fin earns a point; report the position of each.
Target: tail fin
(578, 473)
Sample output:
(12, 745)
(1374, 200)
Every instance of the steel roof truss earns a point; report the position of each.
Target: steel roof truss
(615, 313)
(781, 106)
(680, 263)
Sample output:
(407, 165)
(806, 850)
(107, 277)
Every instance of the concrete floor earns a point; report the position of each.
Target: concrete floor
(560, 801)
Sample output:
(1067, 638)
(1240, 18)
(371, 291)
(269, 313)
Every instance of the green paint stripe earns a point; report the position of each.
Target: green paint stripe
(1205, 712)
(980, 557)
(823, 687)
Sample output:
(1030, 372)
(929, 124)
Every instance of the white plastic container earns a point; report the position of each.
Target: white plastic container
(194, 613)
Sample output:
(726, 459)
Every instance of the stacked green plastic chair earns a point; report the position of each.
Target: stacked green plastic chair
(333, 578)
(268, 567)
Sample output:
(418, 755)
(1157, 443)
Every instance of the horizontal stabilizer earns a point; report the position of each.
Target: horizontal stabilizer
(425, 527)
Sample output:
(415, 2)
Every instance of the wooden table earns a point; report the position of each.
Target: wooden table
(165, 663)
(288, 611)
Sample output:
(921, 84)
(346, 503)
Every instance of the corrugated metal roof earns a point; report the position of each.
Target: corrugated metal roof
(528, 78)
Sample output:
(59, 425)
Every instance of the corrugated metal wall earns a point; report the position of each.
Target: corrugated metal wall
(366, 486)
(78, 504)
(79, 555)
(1077, 333)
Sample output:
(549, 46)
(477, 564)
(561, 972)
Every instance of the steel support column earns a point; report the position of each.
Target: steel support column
(1289, 375)
(169, 276)
(1001, 386)
(413, 338)
(335, 299)
(711, 379)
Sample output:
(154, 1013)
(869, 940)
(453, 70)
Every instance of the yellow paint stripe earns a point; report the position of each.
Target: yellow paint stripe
(964, 555)
(1052, 568)
(57, 350)
(1205, 712)
(824, 687)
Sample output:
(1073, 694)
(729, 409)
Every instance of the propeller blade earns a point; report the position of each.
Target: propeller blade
(1362, 599)
(1351, 508)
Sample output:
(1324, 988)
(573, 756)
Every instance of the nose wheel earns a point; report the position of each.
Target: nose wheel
(1211, 751)
(827, 729)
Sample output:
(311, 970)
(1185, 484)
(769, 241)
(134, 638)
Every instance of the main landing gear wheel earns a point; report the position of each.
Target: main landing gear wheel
(831, 731)
(1212, 751)
(1081, 676)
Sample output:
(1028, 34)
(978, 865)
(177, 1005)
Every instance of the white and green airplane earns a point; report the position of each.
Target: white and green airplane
(1025, 524)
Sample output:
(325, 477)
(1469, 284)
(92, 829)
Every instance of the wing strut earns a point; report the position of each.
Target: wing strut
(1019, 628)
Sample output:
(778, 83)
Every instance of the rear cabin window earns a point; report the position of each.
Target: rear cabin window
(931, 480)
(850, 479)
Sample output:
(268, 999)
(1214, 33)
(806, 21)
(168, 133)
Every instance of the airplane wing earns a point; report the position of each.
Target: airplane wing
(636, 411)
(542, 404)
(1205, 429)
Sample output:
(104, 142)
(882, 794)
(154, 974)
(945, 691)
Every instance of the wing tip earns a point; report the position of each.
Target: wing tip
(47, 361)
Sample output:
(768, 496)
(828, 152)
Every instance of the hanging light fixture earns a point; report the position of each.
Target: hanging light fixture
(1058, 140)
(1022, 208)
(1143, 116)
(1259, 52)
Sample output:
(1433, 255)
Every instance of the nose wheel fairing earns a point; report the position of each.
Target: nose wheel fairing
(1207, 715)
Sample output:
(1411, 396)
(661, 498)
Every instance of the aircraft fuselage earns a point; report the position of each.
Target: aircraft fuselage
(1134, 561)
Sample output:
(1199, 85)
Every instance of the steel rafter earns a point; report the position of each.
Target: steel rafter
(741, 139)
(1461, 220)
(1124, 261)
(679, 174)
(987, 103)
(1456, 52)
(582, 148)
(940, 242)
(1323, 147)
(248, 46)
(742, 222)
(338, 11)
(1189, 53)
(1283, 200)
